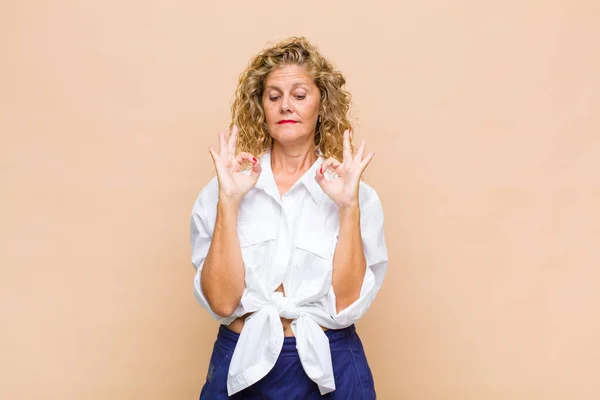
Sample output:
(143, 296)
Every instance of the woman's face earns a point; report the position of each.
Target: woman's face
(291, 103)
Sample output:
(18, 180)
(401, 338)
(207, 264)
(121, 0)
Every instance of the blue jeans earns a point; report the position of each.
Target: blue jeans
(287, 380)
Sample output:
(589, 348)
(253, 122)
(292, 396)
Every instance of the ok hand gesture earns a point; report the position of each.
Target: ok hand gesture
(233, 183)
(344, 190)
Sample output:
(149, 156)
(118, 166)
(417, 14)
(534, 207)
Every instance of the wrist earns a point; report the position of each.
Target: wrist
(228, 203)
(349, 210)
(348, 205)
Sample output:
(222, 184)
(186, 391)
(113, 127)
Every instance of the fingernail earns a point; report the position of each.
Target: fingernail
(254, 159)
(321, 170)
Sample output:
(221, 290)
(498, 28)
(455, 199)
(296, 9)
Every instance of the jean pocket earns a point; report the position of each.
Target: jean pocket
(218, 361)
(363, 370)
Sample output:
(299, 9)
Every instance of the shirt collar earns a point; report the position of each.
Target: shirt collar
(266, 180)
(309, 182)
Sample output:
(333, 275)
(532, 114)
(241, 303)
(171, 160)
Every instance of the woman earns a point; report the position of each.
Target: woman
(287, 241)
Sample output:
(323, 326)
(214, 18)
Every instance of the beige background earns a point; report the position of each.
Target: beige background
(484, 117)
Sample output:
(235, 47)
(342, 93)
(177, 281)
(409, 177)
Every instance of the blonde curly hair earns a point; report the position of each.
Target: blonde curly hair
(248, 114)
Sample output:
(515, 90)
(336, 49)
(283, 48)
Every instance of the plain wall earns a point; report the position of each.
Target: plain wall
(484, 117)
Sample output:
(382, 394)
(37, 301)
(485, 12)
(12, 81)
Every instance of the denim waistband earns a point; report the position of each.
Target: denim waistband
(337, 339)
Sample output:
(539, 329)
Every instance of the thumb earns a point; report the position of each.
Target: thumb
(320, 178)
(256, 170)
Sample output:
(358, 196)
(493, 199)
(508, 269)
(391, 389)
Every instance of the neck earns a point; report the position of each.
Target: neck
(292, 161)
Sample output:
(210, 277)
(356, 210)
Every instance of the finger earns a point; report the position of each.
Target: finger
(223, 150)
(347, 149)
(233, 139)
(213, 154)
(329, 163)
(365, 163)
(243, 156)
(320, 178)
(256, 169)
(361, 151)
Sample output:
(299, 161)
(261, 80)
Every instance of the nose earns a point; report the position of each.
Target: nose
(286, 105)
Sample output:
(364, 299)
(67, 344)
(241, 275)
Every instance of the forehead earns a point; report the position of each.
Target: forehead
(289, 75)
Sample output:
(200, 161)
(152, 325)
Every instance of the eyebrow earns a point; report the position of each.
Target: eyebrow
(296, 84)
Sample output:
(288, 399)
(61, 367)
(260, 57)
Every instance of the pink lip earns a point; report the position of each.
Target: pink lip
(287, 121)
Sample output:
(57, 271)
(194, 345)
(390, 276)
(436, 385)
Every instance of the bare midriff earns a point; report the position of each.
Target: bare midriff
(238, 323)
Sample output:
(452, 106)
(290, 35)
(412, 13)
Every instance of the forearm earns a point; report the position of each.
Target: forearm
(223, 275)
(349, 263)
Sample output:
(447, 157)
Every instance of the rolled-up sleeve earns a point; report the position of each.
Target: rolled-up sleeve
(374, 247)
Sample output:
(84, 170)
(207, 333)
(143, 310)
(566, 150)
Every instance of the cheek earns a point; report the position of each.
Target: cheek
(308, 109)
(312, 110)
(316, 105)
(270, 113)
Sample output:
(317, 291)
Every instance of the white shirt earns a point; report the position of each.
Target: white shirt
(289, 240)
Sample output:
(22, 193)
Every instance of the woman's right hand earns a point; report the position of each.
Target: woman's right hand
(233, 183)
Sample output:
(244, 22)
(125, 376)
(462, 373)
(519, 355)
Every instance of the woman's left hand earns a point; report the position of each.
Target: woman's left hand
(344, 189)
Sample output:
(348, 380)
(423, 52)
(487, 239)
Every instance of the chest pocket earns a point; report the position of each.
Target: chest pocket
(313, 264)
(256, 241)
(319, 244)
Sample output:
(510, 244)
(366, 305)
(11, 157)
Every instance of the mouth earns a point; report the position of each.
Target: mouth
(287, 121)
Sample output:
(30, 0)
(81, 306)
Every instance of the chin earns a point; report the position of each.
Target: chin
(286, 130)
(289, 136)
